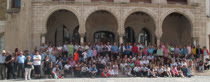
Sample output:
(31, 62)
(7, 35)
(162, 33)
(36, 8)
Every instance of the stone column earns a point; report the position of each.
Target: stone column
(158, 40)
(82, 37)
(120, 39)
(42, 39)
(195, 41)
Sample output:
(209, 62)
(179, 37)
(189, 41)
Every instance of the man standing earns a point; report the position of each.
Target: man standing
(52, 58)
(20, 59)
(134, 50)
(2, 65)
(114, 50)
(10, 65)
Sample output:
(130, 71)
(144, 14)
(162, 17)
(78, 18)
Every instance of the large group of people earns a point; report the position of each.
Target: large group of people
(103, 60)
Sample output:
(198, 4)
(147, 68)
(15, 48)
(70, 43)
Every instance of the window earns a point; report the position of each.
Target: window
(16, 3)
(177, 1)
(145, 1)
(102, 0)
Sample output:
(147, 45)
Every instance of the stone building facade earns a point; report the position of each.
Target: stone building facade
(177, 22)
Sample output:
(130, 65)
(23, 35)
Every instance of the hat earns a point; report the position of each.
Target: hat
(3, 51)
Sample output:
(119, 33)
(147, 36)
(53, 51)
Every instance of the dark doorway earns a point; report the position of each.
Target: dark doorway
(61, 35)
(129, 36)
(104, 37)
(144, 36)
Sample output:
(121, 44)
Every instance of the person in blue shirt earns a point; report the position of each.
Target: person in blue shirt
(127, 50)
(93, 70)
(114, 50)
(89, 53)
(150, 50)
(186, 71)
(21, 59)
(52, 58)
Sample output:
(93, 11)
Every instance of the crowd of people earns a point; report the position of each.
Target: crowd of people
(104, 60)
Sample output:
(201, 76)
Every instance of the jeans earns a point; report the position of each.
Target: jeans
(10, 70)
(27, 73)
(81, 59)
(21, 68)
(201, 69)
(2, 71)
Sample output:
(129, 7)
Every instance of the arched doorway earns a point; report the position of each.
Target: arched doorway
(76, 36)
(141, 22)
(129, 36)
(60, 26)
(61, 35)
(144, 37)
(176, 30)
(101, 23)
(104, 37)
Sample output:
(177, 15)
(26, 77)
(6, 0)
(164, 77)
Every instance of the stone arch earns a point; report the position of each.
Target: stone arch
(102, 8)
(48, 13)
(143, 10)
(185, 13)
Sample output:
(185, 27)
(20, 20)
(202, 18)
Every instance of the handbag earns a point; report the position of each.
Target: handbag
(32, 67)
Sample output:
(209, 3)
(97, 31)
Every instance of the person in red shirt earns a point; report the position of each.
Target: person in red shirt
(134, 49)
(76, 56)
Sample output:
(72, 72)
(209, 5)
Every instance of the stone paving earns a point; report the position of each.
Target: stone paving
(120, 79)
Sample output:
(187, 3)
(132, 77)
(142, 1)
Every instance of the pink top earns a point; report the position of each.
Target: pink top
(166, 52)
(94, 52)
(189, 49)
(145, 51)
(163, 47)
(174, 70)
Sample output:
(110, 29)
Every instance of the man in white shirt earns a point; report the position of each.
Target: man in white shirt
(137, 70)
(37, 65)
(84, 71)
(67, 68)
(2, 65)
(144, 71)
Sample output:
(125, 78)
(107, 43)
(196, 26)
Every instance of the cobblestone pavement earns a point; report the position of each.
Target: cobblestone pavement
(120, 79)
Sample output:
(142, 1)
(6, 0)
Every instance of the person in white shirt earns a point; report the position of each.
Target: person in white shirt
(146, 61)
(37, 65)
(84, 54)
(168, 71)
(84, 71)
(67, 68)
(161, 71)
(137, 70)
(111, 71)
(115, 68)
(144, 70)
(76, 47)
(123, 66)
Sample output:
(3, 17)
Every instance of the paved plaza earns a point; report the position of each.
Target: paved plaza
(121, 79)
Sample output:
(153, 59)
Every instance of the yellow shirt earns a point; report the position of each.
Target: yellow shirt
(193, 51)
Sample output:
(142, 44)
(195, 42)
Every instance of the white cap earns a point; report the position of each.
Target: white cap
(3, 51)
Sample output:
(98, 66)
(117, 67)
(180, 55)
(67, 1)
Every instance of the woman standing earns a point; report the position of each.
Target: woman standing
(47, 66)
(28, 66)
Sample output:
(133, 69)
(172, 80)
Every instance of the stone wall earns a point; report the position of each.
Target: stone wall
(38, 13)
(3, 6)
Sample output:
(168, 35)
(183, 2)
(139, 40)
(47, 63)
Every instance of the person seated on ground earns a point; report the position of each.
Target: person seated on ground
(123, 66)
(100, 67)
(67, 69)
(201, 66)
(56, 72)
(186, 71)
(111, 71)
(180, 73)
(115, 68)
(207, 64)
(144, 71)
(174, 71)
(84, 71)
(78, 69)
(137, 70)
(105, 72)
(161, 72)
(167, 71)
(93, 70)
(128, 70)
(152, 72)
